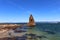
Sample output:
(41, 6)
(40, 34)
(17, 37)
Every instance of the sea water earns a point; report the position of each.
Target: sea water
(44, 31)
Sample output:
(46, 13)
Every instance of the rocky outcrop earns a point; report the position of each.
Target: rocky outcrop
(31, 21)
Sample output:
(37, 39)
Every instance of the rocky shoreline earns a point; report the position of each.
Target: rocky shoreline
(6, 38)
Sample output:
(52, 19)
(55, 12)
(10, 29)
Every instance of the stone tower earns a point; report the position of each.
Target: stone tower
(31, 21)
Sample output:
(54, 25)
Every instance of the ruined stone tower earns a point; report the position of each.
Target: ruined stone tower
(31, 21)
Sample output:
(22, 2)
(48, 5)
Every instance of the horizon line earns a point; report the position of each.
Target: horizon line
(35, 22)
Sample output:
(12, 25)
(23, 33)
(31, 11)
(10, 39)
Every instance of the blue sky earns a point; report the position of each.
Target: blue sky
(20, 10)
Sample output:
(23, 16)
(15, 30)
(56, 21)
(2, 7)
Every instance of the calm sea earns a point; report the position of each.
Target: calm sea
(44, 31)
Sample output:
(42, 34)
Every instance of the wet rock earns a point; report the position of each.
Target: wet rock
(50, 32)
